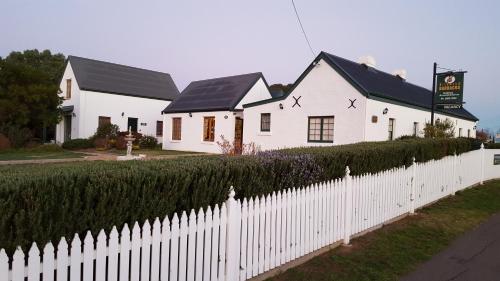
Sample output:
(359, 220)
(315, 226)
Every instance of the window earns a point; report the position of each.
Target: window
(459, 132)
(391, 128)
(68, 88)
(159, 128)
(468, 133)
(176, 128)
(415, 129)
(320, 129)
(103, 120)
(208, 128)
(265, 122)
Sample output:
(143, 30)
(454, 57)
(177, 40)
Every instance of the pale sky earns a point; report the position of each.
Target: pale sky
(195, 40)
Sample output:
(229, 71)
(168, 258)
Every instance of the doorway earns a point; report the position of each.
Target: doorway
(67, 128)
(238, 136)
(132, 124)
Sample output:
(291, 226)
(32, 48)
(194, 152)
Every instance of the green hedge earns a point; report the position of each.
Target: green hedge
(492, 145)
(42, 203)
(78, 144)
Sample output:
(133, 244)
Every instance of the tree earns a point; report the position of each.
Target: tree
(441, 129)
(29, 83)
(483, 135)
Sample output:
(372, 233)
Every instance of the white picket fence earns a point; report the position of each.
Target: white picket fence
(243, 239)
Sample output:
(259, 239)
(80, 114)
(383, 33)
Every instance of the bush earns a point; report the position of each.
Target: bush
(441, 129)
(148, 142)
(17, 136)
(42, 203)
(492, 146)
(78, 144)
(107, 131)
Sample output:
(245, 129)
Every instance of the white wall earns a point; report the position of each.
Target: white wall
(88, 106)
(74, 101)
(258, 92)
(192, 127)
(95, 104)
(404, 118)
(192, 131)
(323, 93)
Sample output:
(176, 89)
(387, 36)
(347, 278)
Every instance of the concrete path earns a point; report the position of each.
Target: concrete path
(474, 256)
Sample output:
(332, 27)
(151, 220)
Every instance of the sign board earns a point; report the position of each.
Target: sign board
(449, 106)
(496, 159)
(450, 88)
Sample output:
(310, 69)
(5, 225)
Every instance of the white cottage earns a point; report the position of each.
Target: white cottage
(97, 92)
(209, 110)
(337, 101)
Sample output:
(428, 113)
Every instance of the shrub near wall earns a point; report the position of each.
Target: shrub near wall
(42, 203)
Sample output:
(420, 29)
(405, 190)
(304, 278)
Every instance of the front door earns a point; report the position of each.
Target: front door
(67, 127)
(238, 136)
(132, 124)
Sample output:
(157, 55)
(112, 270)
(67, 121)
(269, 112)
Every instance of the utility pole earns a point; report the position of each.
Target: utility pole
(433, 92)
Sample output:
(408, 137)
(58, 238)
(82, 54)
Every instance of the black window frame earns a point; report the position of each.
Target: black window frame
(322, 118)
(262, 129)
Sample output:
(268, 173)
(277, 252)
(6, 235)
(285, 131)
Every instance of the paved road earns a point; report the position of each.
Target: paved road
(474, 256)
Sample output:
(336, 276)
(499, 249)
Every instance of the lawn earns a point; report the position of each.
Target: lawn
(37, 154)
(397, 249)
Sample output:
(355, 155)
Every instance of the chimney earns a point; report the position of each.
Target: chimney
(368, 61)
(401, 73)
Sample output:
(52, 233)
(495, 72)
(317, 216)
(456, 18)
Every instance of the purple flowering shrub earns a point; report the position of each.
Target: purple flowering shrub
(289, 170)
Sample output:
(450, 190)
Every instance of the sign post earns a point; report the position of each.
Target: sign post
(447, 91)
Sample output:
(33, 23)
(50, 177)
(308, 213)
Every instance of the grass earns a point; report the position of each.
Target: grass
(397, 249)
(38, 153)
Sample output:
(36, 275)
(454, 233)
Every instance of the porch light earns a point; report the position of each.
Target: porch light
(190, 114)
(385, 111)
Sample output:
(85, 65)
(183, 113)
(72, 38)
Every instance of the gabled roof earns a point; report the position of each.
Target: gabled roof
(105, 77)
(377, 84)
(217, 94)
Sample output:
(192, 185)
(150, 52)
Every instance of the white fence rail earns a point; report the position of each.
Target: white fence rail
(243, 239)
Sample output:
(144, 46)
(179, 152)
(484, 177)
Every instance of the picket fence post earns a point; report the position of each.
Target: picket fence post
(413, 183)
(454, 175)
(233, 237)
(482, 164)
(348, 206)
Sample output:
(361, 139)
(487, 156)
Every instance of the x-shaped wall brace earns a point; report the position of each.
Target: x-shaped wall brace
(352, 103)
(296, 101)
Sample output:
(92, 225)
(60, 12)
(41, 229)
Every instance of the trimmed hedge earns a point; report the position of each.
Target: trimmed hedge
(492, 145)
(42, 203)
(78, 144)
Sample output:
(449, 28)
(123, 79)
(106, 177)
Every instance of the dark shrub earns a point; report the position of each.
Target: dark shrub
(148, 142)
(492, 146)
(4, 142)
(107, 131)
(17, 136)
(78, 144)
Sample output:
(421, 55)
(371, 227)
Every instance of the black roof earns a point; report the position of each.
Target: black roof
(217, 94)
(99, 76)
(374, 83)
